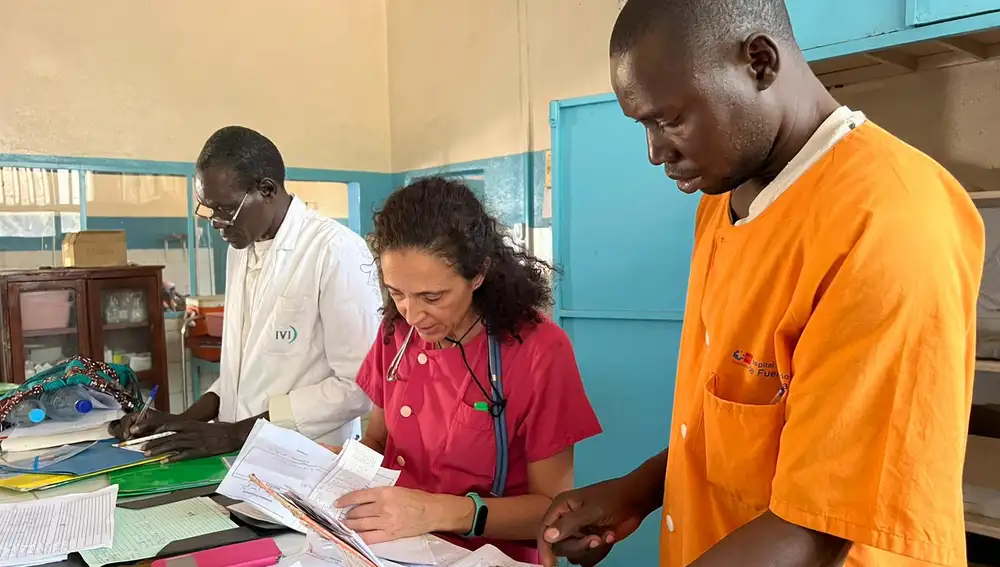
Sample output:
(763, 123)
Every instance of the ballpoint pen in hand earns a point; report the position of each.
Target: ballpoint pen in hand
(145, 407)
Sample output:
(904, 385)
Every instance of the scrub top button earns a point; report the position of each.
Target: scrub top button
(684, 431)
(402, 462)
(670, 524)
(422, 358)
(406, 411)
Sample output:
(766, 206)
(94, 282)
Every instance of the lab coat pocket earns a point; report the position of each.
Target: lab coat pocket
(741, 445)
(291, 327)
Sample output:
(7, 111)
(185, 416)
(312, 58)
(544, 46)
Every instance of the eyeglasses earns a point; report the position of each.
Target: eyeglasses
(212, 215)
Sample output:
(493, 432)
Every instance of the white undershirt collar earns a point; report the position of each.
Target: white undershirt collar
(837, 126)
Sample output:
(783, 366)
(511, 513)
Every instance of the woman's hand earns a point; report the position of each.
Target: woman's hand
(390, 513)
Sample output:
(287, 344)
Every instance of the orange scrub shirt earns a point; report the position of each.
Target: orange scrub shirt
(827, 357)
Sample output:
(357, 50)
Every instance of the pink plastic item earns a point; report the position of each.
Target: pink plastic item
(213, 324)
(42, 310)
(257, 553)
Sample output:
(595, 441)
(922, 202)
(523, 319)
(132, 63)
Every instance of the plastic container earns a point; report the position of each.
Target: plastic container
(213, 324)
(67, 404)
(28, 413)
(42, 310)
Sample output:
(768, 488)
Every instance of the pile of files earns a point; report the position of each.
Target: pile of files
(55, 453)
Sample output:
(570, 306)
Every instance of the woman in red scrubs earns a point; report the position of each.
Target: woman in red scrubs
(455, 282)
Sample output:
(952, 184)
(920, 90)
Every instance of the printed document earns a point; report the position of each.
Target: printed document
(55, 527)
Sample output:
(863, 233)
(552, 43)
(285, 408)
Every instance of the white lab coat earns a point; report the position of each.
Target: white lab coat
(313, 318)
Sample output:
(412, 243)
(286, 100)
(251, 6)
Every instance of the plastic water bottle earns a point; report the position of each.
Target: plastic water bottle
(67, 404)
(28, 413)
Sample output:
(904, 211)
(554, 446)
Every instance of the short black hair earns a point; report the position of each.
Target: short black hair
(699, 24)
(247, 153)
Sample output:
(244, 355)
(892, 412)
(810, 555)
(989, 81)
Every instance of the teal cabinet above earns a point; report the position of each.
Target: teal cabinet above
(929, 11)
(826, 22)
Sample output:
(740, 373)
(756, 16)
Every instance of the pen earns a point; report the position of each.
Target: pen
(141, 440)
(149, 402)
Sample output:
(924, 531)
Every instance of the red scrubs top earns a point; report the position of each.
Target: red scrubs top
(443, 445)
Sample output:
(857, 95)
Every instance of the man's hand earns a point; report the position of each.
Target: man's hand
(583, 524)
(130, 427)
(194, 439)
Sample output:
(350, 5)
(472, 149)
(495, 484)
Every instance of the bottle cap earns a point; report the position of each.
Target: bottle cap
(84, 406)
(36, 415)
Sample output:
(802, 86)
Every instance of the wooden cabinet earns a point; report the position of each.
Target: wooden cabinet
(111, 314)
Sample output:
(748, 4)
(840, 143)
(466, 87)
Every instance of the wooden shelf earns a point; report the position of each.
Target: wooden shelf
(49, 333)
(982, 525)
(984, 365)
(986, 199)
(123, 326)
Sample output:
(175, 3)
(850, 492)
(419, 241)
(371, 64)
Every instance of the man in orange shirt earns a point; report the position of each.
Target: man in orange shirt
(826, 363)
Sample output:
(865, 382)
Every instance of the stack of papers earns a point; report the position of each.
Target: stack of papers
(92, 426)
(289, 462)
(293, 481)
(45, 531)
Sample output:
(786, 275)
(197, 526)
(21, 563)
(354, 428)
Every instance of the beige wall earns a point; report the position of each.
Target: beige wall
(152, 80)
(949, 113)
(469, 79)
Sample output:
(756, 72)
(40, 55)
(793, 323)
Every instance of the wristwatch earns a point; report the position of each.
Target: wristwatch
(479, 518)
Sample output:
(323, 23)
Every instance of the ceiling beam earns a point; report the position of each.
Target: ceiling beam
(898, 60)
(968, 46)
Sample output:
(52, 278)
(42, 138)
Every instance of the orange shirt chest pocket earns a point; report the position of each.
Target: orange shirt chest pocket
(742, 403)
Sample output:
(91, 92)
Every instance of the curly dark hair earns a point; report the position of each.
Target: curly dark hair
(445, 218)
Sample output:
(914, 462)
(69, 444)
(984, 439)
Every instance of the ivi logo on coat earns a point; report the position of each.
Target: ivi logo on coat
(287, 335)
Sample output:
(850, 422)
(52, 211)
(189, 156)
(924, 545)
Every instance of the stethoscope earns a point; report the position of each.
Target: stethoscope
(497, 405)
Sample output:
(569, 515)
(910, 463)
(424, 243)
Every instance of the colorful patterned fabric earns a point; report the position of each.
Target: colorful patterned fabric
(116, 380)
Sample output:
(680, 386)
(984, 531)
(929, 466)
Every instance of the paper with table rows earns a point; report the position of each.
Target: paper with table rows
(55, 527)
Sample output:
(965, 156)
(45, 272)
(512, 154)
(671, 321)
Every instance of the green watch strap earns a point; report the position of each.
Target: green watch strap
(479, 518)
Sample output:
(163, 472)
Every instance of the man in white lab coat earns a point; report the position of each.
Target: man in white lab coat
(301, 311)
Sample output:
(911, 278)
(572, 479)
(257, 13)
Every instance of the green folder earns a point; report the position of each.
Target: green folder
(158, 478)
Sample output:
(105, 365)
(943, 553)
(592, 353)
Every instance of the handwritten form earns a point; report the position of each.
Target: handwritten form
(357, 468)
(55, 527)
(288, 461)
(284, 459)
(141, 534)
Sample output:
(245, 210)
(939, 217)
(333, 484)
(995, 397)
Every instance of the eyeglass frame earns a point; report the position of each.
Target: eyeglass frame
(223, 222)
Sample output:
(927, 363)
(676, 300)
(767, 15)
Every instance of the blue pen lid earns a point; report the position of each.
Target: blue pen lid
(84, 406)
(36, 415)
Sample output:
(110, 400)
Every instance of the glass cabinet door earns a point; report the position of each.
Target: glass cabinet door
(125, 335)
(48, 325)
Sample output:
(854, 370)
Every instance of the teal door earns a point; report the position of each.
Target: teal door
(930, 11)
(622, 235)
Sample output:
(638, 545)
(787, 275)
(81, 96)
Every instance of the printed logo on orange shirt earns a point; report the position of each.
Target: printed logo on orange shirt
(757, 367)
